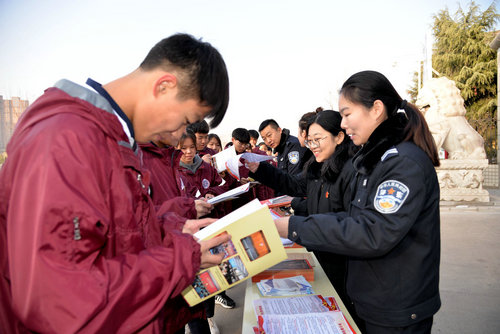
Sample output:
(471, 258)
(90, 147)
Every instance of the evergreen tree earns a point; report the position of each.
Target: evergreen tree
(462, 53)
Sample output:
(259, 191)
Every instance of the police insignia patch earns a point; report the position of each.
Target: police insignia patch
(390, 196)
(293, 157)
(205, 183)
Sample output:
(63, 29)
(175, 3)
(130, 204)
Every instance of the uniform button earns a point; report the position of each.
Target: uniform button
(294, 234)
(359, 200)
(413, 316)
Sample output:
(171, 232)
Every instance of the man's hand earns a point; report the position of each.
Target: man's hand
(202, 207)
(252, 166)
(191, 226)
(208, 259)
(282, 226)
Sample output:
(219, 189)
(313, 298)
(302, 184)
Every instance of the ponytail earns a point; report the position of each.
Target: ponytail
(417, 131)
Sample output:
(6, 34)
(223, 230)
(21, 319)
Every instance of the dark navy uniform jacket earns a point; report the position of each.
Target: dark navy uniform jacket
(323, 196)
(290, 153)
(390, 232)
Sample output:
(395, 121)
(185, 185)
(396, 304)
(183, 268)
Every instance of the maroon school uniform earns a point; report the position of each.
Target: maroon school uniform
(201, 179)
(206, 150)
(164, 184)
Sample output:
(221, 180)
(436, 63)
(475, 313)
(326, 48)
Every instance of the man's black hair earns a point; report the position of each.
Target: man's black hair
(267, 122)
(202, 73)
(253, 134)
(199, 127)
(241, 135)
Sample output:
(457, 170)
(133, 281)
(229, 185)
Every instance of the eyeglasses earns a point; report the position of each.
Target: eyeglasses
(313, 142)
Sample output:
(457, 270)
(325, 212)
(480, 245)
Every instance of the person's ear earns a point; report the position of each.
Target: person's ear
(340, 137)
(164, 83)
(378, 110)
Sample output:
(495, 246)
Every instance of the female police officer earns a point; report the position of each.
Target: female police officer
(390, 231)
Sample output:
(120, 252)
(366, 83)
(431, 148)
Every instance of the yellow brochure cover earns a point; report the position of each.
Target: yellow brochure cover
(255, 245)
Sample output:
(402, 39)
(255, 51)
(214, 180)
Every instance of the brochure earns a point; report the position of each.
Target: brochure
(229, 195)
(287, 268)
(279, 201)
(255, 245)
(293, 305)
(230, 161)
(296, 285)
(307, 323)
(304, 314)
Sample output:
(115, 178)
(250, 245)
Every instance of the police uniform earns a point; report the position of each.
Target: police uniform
(391, 231)
(323, 196)
(290, 154)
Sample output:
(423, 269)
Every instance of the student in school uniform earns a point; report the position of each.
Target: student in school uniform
(202, 178)
(82, 247)
(254, 137)
(214, 142)
(201, 129)
(202, 181)
(165, 191)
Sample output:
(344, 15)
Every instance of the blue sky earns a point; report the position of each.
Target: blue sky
(285, 58)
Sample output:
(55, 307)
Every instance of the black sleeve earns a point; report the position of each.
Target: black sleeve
(369, 233)
(293, 185)
(295, 168)
(299, 206)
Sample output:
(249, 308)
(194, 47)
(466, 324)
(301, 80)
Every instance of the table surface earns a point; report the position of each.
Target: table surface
(321, 286)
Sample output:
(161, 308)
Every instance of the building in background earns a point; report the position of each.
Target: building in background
(10, 111)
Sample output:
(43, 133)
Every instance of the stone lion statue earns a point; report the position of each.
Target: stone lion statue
(444, 110)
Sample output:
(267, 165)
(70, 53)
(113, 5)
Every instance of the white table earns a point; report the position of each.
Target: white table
(321, 286)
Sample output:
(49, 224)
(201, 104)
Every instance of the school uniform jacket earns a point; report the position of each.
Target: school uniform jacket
(205, 180)
(81, 247)
(391, 231)
(164, 190)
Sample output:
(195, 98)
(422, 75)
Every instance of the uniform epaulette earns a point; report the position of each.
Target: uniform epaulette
(389, 153)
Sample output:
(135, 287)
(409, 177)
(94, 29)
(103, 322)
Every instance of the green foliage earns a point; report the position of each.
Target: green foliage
(414, 88)
(462, 53)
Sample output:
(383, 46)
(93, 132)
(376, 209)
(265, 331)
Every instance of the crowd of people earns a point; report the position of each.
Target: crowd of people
(105, 185)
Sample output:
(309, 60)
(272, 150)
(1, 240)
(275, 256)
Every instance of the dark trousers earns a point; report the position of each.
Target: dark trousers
(421, 327)
(200, 326)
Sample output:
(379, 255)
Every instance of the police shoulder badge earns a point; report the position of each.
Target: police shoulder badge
(390, 196)
(205, 183)
(293, 157)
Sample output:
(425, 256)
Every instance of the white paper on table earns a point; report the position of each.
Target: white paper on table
(309, 323)
(290, 305)
(289, 286)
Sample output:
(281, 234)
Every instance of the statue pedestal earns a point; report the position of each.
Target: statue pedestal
(462, 180)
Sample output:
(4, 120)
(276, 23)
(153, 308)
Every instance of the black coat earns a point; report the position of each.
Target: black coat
(390, 232)
(290, 154)
(322, 196)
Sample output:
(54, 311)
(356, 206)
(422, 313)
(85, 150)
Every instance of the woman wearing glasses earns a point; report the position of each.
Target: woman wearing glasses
(390, 230)
(324, 179)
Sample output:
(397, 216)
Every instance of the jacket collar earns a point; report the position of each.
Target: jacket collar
(284, 137)
(388, 134)
(197, 161)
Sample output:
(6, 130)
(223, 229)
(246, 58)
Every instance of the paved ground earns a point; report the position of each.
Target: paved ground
(470, 272)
